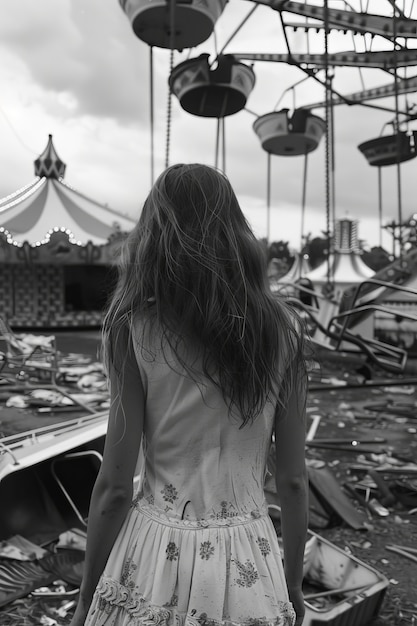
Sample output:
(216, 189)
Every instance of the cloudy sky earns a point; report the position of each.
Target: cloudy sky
(76, 70)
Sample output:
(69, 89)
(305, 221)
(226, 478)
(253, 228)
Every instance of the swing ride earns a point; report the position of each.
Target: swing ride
(194, 21)
(220, 87)
(286, 135)
(212, 92)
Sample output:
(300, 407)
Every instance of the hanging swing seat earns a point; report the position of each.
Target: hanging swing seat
(194, 21)
(283, 135)
(390, 149)
(212, 92)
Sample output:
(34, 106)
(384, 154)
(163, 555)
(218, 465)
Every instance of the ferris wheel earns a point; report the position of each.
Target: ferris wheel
(312, 38)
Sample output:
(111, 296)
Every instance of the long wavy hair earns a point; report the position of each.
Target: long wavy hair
(193, 266)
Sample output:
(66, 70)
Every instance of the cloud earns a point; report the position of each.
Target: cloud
(83, 49)
(75, 69)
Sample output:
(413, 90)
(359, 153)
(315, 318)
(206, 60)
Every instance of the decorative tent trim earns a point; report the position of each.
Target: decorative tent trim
(25, 220)
(15, 196)
(22, 194)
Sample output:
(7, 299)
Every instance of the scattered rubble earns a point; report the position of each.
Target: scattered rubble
(362, 463)
(366, 435)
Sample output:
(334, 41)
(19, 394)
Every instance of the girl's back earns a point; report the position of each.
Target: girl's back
(200, 465)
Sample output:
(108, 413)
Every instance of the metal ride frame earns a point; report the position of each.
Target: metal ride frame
(337, 320)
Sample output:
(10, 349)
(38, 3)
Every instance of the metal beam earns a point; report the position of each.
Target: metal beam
(349, 20)
(404, 86)
(382, 59)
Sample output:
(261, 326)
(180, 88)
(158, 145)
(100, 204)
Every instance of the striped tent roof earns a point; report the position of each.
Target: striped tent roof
(48, 204)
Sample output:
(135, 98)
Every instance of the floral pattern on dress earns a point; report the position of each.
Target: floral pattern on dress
(172, 551)
(169, 493)
(264, 546)
(247, 572)
(203, 620)
(206, 550)
(129, 568)
(227, 510)
(173, 602)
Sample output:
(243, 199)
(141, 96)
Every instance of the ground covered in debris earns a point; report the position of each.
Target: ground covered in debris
(365, 435)
(372, 427)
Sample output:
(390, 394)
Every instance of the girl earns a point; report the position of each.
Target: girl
(204, 364)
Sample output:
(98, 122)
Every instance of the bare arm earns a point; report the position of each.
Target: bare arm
(113, 490)
(292, 488)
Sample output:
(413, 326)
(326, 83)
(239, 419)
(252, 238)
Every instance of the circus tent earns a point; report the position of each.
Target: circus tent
(58, 251)
(49, 204)
(345, 266)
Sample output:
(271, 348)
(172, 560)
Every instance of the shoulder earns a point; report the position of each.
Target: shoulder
(145, 327)
(147, 339)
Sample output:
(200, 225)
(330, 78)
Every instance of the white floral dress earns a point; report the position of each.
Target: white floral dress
(197, 547)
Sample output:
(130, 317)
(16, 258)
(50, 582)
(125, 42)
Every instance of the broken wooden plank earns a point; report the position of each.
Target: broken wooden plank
(328, 490)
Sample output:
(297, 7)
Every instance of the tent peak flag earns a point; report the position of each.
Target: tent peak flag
(48, 164)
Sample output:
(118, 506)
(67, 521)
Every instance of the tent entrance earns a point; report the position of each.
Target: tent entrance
(87, 287)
